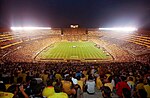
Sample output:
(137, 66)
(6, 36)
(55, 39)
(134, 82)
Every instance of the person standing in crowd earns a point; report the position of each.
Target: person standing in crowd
(120, 85)
(24, 75)
(58, 91)
(108, 83)
(58, 75)
(140, 85)
(49, 89)
(131, 84)
(45, 76)
(68, 86)
(99, 83)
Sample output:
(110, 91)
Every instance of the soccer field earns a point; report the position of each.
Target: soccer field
(73, 50)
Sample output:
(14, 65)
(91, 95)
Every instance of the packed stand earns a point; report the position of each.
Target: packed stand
(72, 80)
(137, 52)
(117, 53)
(28, 50)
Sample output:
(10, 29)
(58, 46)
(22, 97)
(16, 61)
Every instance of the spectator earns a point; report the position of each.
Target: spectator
(90, 85)
(79, 91)
(30, 87)
(108, 83)
(68, 86)
(140, 85)
(15, 77)
(131, 84)
(24, 75)
(2, 86)
(14, 89)
(37, 92)
(126, 93)
(45, 76)
(49, 90)
(106, 92)
(147, 87)
(113, 81)
(59, 93)
(83, 78)
(21, 88)
(131, 75)
(120, 85)
(74, 80)
(3, 92)
(99, 83)
(142, 93)
(80, 83)
(78, 73)
(17, 90)
(58, 75)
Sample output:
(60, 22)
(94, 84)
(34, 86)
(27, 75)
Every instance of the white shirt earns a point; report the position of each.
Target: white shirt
(90, 86)
(74, 80)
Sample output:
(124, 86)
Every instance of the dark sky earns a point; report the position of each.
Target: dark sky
(86, 13)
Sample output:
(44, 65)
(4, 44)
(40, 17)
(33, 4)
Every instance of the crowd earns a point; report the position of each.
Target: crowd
(135, 52)
(56, 80)
(27, 50)
(134, 48)
(71, 80)
(118, 53)
(114, 46)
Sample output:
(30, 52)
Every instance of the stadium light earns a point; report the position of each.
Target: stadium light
(119, 29)
(30, 28)
(74, 26)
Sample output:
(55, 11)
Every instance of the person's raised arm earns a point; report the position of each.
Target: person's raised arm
(22, 91)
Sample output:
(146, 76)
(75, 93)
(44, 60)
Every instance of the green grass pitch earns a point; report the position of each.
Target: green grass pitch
(73, 50)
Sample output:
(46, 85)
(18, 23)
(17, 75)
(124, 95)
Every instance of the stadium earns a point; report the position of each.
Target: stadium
(64, 53)
(74, 44)
(74, 49)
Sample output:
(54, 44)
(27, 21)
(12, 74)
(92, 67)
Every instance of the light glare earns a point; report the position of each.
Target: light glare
(119, 29)
(29, 28)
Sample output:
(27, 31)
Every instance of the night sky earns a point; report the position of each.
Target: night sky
(86, 13)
